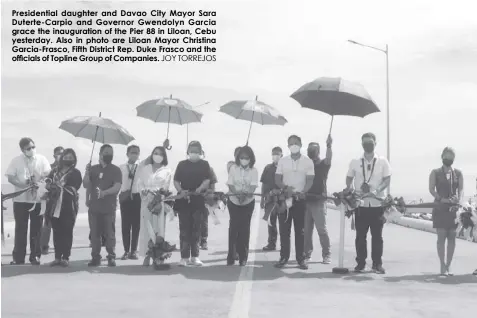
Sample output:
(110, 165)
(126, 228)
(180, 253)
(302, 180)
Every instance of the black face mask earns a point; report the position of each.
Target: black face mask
(107, 159)
(68, 163)
(368, 147)
(313, 154)
(447, 162)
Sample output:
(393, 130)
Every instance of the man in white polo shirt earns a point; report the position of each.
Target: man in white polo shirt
(27, 169)
(372, 175)
(296, 171)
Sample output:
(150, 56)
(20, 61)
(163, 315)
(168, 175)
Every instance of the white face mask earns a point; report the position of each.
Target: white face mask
(157, 158)
(276, 158)
(194, 157)
(244, 162)
(30, 153)
(294, 149)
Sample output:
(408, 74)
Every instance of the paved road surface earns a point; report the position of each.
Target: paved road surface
(409, 289)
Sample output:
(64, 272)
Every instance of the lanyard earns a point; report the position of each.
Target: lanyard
(364, 172)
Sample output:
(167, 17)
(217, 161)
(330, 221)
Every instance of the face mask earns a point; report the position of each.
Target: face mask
(244, 162)
(276, 158)
(68, 163)
(107, 159)
(157, 158)
(295, 149)
(368, 147)
(313, 154)
(194, 157)
(447, 162)
(30, 153)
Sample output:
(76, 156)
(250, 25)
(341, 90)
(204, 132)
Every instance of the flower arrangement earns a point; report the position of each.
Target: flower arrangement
(158, 252)
(158, 196)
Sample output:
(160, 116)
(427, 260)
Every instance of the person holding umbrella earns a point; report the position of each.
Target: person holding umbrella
(24, 171)
(46, 230)
(191, 179)
(315, 215)
(268, 183)
(295, 175)
(104, 183)
(445, 185)
(371, 174)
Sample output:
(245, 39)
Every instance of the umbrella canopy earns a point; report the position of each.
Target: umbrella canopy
(98, 129)
(254, 111)
(169, 110)
(336, 96)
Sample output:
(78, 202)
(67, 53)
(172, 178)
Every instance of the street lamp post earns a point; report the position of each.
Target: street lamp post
(385, 51)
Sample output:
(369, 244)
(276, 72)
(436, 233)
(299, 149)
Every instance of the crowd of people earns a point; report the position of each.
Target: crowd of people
(131, 186)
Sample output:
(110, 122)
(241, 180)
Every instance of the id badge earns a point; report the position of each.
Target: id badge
(365, 187)
(101, 175)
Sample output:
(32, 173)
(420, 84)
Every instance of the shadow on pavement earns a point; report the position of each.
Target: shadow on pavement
(434, 278)
(256, 251)
(217, 270)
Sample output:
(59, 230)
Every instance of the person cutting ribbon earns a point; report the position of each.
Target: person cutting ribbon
(371, 174)
(295, 174)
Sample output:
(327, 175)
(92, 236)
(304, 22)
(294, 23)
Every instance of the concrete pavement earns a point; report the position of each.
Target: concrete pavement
(410, 288)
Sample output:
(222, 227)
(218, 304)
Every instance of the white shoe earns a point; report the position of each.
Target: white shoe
(196, 262)
(184, 262)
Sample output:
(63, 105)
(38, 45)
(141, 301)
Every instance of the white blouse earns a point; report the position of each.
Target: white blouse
(150, 180)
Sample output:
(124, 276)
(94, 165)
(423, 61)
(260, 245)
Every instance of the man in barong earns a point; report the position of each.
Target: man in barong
(27, 170)
(371, 175)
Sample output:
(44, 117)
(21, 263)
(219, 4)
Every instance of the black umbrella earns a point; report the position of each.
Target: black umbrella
(336, 96)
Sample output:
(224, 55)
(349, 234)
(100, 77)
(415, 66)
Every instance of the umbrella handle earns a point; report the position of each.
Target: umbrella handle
(250, 128)
(331, 126)
(166, 144)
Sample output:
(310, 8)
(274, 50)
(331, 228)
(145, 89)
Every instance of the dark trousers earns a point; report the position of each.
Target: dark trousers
(45, 236)
(190, 220)
(63, 234)
(297, 216)
(272, 230)
(204, 227)
(239, 230)
(365, 219)
(21, 214)
(102, 223)
(131, 222)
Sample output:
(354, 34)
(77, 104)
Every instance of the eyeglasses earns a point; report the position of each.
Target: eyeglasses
(30, 148)
(244, 158)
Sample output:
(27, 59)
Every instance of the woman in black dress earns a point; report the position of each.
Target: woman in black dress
(62, 206)
(446, 185)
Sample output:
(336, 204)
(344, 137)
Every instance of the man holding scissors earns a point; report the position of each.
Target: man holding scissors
(372, 175)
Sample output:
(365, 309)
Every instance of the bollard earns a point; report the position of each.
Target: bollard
(341, 269)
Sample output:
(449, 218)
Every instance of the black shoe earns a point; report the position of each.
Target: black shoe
(203, 246)
(35, 261)
(125, 256)
(243, 263)
(94, 263)
(281, 263)
(359, 268)
(230, 263)
(302, 265)
(379, 269)
(133, 256)
(17, 263)
(111, 262)
(64, 263)
(269, 248)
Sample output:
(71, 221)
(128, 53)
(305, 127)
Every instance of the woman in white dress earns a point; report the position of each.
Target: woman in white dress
(153, 175)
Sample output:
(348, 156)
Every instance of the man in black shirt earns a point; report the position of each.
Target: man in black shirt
(268, 183)
(315, 215)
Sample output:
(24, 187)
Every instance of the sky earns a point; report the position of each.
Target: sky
(270, 49)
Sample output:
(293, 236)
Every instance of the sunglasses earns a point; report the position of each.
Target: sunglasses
(30, 148)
